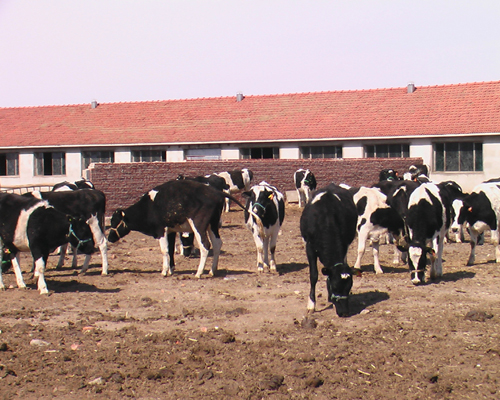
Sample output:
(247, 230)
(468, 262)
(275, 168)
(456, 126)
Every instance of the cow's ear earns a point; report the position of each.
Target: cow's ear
(324, 271)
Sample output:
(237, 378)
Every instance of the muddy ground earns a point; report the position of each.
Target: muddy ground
(244, 335)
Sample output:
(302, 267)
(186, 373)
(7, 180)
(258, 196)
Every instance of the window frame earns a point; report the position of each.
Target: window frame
(92, 157)
(260, 153)
(384, 150)
(146, 155)
(336, 150)
(453, 156)
(49, 163)
(9, 164)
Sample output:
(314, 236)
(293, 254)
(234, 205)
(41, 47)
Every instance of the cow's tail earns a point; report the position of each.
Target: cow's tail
(227, 195)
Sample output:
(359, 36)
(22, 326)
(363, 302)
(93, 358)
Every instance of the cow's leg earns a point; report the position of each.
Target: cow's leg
(494, 242)
(202, 238)
(473, 243)
(362, 237)
(313, 276)
(167, 248)
(437, 260)
(62, 254)
(216, 246)
(299, 197)
(100, 241)
(259, 244)
(376, 260)
(18, 272)
(40, 270)
(272, 249)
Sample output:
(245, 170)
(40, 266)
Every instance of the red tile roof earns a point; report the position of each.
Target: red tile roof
(471, 108)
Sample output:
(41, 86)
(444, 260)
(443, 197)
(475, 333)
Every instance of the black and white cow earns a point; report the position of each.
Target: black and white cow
(30, 224)
(87, 204)
(328, 226)
(480, 210)
(305, 183)
(418, 173)
(65, 186)
(264, 215)
(429, 217)
(186, 239)
(375, 219)
(238, 181)
(388, 174)
(175, 206)
(216, 181)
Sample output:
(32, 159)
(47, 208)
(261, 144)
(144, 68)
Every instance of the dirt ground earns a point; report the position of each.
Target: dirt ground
(244, 335)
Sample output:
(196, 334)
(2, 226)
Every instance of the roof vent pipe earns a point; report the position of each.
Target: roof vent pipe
(93, 104)
(239, 96)
(411, 87)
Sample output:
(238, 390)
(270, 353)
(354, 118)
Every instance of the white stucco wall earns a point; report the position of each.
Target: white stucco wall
(230, 153)
(352, 150)
(289, 153)
(175, 155)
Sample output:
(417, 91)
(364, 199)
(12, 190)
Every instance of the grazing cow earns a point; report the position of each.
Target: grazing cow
(328, 226)
(375, 218)
(65, 186)
(481, 211)
(30, 224)
(264, 215)
(305, 183)
(175, 206)
(418, 173)
(388, 174)
(429, 217)
(238, 181)
(88, 204)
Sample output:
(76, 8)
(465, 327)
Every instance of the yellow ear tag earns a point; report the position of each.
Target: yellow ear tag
(271, 196)
(470, 209)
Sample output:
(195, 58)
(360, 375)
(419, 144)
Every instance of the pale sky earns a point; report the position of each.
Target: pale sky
(55, 52)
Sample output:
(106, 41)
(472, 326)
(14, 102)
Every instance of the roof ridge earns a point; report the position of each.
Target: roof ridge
(256, 95)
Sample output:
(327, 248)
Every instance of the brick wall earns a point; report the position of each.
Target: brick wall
(123, 184)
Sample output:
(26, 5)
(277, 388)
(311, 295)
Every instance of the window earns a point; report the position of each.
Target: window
(9, 164)
(52, 163)
(89, 157)
(321, 152)
(387, 151)
(149, 155)
(202, 154)
(461, 156)
(260, 152)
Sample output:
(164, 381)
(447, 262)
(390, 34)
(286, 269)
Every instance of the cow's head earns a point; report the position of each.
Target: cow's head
(339, 284)
(456, 210)
(259, 201)
(119, 227)
(417, 261)
(80, 236)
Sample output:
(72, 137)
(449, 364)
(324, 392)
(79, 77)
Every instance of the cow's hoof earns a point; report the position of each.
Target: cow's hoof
(2, 288)
(198, 276)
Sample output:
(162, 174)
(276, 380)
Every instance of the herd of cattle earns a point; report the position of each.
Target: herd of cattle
(415, 212)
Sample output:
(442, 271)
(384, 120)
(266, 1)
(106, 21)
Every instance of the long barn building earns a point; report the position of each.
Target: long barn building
(455, 129)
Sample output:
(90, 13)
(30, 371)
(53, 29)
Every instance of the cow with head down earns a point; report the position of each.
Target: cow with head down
(264, 215)
(480, 211)
(328, 227)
